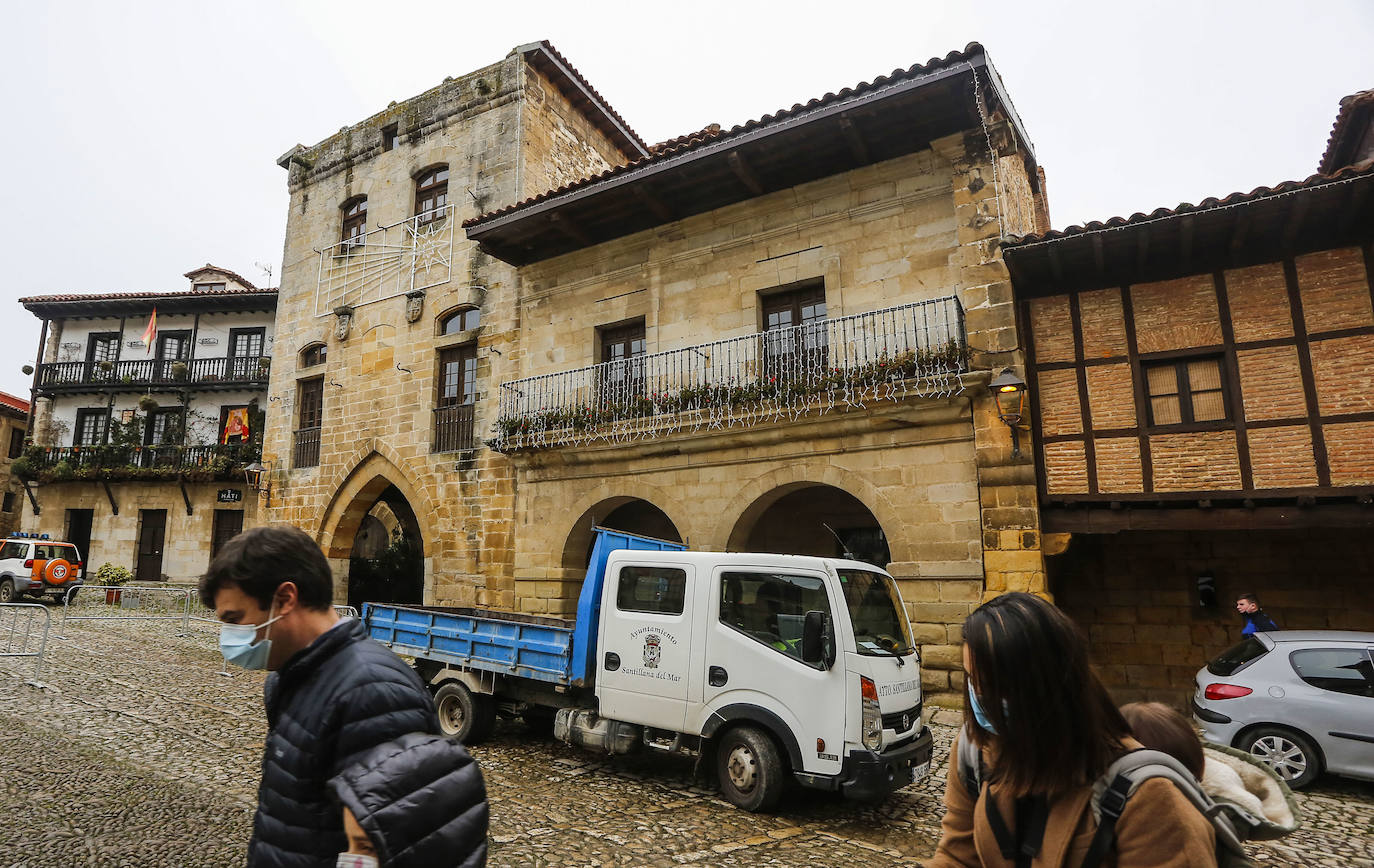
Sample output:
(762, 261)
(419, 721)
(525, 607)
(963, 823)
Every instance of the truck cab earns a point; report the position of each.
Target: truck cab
(738, 650)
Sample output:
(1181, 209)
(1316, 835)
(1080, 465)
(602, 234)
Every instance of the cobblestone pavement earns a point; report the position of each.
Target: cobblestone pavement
(140, 754)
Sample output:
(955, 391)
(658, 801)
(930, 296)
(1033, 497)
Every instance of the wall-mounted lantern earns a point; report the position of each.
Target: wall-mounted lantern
(256, 476)
(1009, 391)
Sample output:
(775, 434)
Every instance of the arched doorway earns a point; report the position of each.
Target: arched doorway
(807, 518)
(386, 562)
(630, 514)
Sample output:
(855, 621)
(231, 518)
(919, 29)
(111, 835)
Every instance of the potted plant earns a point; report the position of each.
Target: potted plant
(179, 370)
(111, 577)
(147, 403)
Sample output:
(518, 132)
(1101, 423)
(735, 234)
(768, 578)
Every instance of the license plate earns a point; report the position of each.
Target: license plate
(920, 771)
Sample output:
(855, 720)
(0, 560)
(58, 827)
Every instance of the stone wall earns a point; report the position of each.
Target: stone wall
(12, 492)
(491, 128)
(1135, 595)
(957, 509)
(114, 538)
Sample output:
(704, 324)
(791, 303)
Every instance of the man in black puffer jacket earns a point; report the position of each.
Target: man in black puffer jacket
(420, 801)
(333, 695)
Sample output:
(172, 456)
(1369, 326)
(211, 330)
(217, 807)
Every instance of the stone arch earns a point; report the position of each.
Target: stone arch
(754, 498)
(372, 469)
(653, 521)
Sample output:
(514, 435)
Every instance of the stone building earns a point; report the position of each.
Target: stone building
(138, 453)
(14, 420)
(1202, 380)
(392, 325)
(779, 338)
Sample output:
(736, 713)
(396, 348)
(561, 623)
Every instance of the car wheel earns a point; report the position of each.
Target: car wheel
(1290, 754)
(750, 769)
(463, 715)
(6, 591)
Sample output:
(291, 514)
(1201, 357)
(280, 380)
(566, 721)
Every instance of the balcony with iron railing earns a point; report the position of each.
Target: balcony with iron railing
(914, 350)
(110, 462)
(140, 374)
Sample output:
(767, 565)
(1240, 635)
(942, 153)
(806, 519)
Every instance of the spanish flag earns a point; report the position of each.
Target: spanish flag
(150, 333)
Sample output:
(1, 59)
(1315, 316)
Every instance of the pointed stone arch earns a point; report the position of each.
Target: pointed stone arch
(371, 470)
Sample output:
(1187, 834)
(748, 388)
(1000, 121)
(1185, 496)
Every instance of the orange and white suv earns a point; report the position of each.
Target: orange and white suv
(35, 565)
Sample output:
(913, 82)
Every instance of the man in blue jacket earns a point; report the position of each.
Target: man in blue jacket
(1256, 621)
(333, 695)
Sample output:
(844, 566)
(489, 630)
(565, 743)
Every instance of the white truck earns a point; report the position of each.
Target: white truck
(762, 666)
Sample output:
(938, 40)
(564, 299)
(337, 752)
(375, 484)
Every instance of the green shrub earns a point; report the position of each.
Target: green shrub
(112, 575)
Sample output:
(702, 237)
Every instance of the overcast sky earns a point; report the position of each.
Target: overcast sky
(142, 136)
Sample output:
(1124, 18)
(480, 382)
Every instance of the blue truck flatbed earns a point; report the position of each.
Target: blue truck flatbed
(553, 650)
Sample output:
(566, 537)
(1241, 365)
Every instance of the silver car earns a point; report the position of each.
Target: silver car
(1302, 701)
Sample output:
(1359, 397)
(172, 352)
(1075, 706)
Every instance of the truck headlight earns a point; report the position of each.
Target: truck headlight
(872, 726)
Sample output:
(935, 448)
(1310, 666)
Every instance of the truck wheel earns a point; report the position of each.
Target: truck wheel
(751, 772)
(463, 715)
(6, 591)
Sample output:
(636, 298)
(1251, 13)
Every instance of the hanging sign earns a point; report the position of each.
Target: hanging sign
(230, 495)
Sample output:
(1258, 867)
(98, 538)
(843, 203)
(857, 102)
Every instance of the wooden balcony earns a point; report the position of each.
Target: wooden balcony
(236, 372)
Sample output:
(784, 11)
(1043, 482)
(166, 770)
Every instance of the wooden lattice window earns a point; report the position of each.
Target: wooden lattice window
(1186, 391)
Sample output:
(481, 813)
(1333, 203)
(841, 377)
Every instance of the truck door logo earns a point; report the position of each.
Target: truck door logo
(652, 651)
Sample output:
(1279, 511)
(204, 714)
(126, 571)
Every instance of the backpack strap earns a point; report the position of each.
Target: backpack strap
(970, 761)
(1110, 806)
(1125, 776)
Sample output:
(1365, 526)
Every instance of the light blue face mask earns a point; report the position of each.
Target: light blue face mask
(237, 645)
(978, 714)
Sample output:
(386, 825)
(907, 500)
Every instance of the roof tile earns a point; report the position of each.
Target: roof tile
(691, 141)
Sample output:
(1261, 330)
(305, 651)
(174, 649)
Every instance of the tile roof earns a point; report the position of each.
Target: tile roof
(226, 272)
(1209, 204)
(691, 141)
(1350, 105)
(586, 85)
(139, 296)
(13, 402)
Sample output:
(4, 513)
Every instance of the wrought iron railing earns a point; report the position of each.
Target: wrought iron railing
(231, 370)
(307, 448)
(415, 253)
(905, 351)
(104, 461)
(453, 428)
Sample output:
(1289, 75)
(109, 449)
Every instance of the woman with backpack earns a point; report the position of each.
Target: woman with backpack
(1040, 730)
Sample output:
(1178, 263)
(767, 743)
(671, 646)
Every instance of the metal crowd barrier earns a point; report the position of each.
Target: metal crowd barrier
(163, 602)
(207, 616)
(28, 613)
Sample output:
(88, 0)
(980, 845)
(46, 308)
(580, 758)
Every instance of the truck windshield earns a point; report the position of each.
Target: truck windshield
(880, 628)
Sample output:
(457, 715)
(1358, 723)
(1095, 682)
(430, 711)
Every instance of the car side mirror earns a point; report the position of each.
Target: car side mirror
(814, 647)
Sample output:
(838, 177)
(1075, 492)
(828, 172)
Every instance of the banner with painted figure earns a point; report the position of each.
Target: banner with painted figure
(235, 426)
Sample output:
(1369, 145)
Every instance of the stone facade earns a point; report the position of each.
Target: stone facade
(936, 475)
(132, 447)
(13, 420)
(504, 133)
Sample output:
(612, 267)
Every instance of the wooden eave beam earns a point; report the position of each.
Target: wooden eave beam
(1185, 240)
(1056, 267)
(654, 204)
(1099, 258)
(570, 229)
(1293, 226)
(744, 173)
(1240, 231)
(1142, 248)
(854, 139)
(1353, 206)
